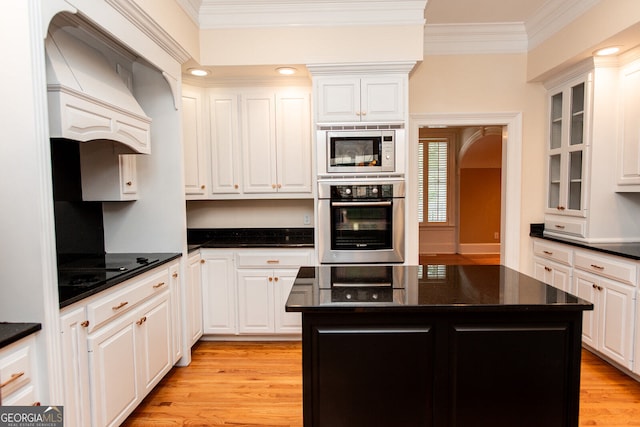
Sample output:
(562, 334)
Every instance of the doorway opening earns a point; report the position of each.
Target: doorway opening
(505, 129)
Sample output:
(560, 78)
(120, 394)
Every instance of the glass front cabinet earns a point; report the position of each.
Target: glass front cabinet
(567, 154)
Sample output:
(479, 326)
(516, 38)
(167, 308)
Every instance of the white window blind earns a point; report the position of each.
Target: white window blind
(436, 163)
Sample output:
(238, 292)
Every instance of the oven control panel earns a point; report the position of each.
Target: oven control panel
(380, 191)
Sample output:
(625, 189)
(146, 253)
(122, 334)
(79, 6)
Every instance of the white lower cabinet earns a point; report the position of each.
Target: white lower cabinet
(194, 298)
(18, 373)
(609, 327)
(245, 290)
(610, 283)
(552, 273)
(218, 292)
(117, 345)
(262, 295)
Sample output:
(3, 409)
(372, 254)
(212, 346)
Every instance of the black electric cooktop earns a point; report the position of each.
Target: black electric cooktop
(82, 275)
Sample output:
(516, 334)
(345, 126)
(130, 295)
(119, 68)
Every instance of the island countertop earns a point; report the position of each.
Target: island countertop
(426, 288)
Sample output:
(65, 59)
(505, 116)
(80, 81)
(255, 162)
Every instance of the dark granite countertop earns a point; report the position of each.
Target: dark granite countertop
(629, 250)
(428, 288)
(249, 238)
(11, 332)
(83, 275)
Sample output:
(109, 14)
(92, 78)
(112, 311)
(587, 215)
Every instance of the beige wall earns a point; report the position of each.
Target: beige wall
(311, 45)
(465, 84)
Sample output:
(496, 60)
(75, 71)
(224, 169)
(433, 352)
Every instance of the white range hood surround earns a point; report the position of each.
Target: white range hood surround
(87, 94)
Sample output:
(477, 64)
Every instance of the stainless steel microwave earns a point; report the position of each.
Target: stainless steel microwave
(361, 151)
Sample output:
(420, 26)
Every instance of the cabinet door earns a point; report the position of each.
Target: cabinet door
(75, 368)
(293, 142)
(194, 303)
(256, 301)
(128, 175)
(193, 141)
(382, 98)
(285, 322)
(113, 370)
(259, 142)
(225, 143)
(176, 310)
(566, 149)
(629, 156)
(616, 320)
(586, 288)
(554, 274)
(218, 292)
(338, 99)
(153, 340)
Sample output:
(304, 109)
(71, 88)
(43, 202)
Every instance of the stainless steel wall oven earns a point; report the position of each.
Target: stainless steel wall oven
(361, 221)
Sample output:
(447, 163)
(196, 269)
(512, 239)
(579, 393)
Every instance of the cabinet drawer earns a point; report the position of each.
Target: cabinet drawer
(605, 266)
(15, 368)
(135, 291)
(565, 226)
(552, 251)
(23, 397)
(272, 259)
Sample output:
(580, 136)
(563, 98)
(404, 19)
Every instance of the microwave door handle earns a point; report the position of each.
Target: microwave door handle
(360, 204)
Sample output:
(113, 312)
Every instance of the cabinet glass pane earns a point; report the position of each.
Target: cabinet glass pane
(575, 180)
(556, 121)
(577, 114)
(554, 181)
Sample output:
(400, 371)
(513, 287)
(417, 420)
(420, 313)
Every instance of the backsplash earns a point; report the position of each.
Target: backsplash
(79, 224)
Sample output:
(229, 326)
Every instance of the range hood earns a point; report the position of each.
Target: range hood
(87, 94)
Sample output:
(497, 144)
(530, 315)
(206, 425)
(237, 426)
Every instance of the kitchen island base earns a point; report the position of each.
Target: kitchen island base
(486, 347)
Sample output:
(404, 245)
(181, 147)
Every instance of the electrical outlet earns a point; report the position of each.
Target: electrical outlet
(496, 235)
(307, 219)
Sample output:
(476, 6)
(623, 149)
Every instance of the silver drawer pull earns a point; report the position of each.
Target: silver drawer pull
(548, 268)
(597, 267)
(548, 252)
(119, 306)
(159, 285)
(141, 321)
(561, 227)
(273, 261)
(13, 378)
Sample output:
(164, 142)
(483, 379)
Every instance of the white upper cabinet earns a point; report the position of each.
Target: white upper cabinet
(257, 145)
(107, 173)
(629, 152)
(567, 148)
(193, 140)
(360, 98)
(224, 143)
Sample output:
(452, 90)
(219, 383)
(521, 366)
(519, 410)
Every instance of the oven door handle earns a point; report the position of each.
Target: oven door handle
(360, 204)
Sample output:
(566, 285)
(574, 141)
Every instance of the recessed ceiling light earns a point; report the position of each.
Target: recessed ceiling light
(287, 71)
(198, 72)
(611, 50)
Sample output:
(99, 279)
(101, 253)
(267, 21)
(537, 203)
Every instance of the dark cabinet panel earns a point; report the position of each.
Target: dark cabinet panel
(509, 375)
(375, 376)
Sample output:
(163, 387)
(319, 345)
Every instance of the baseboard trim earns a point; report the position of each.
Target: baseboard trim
(479, 248)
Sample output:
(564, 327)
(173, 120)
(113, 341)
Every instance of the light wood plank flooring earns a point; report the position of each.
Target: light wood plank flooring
(260, 384)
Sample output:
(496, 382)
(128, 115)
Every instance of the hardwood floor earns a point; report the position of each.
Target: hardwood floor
(490, 259)
(249, 384)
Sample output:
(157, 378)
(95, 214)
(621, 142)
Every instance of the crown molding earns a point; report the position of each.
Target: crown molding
(462, 39)
(192, 9)
(553, 16)
(215, 14)
(141, 20)
(403, 67)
